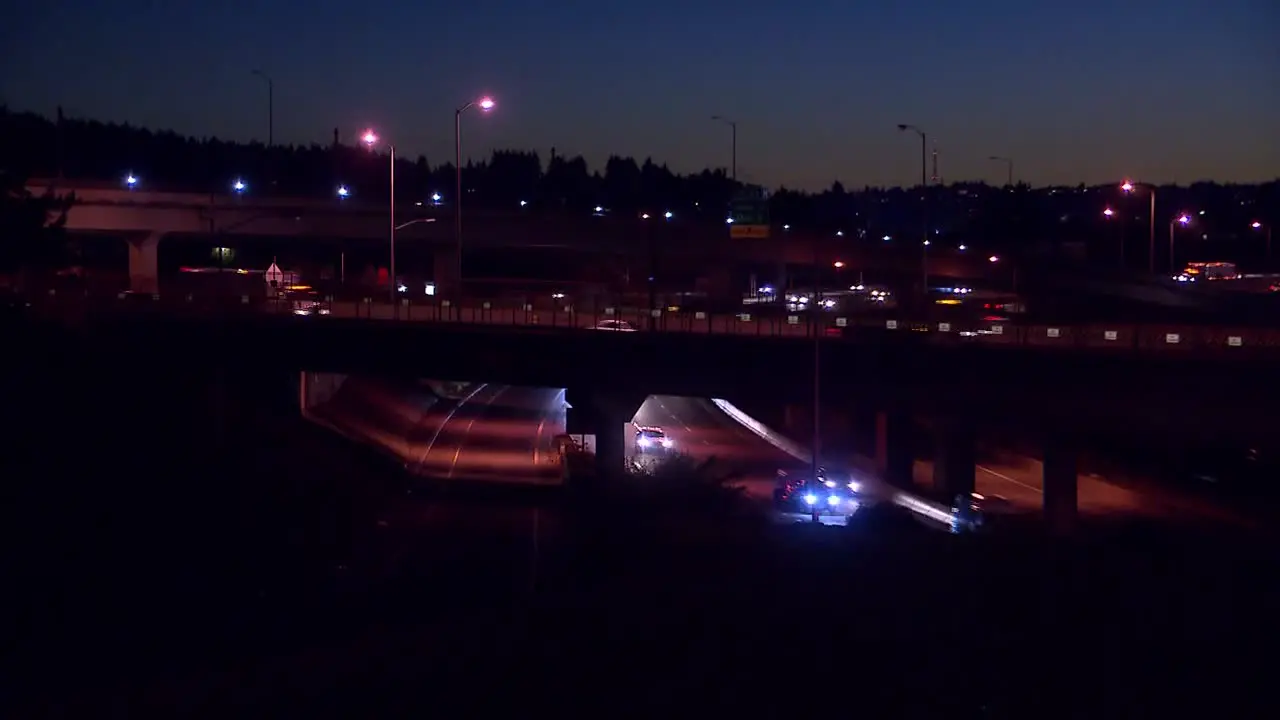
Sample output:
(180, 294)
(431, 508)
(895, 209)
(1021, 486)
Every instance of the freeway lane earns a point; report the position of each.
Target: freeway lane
(702, 431)
(1020, 481)
(496, 432)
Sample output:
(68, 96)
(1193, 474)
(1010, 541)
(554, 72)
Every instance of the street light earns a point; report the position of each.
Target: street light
(733, 125)
(1182, 219)
(130, 181)
(343, 192)
(924, 189)
(485, 104)
(1257, 225)
(1108, 213)
(238, 186)
(371, 139)
(1151, 232)
(1008, 162)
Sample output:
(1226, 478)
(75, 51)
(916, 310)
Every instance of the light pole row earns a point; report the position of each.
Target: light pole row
(371, 139)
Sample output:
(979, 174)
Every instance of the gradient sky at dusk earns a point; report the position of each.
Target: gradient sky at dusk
(1162, 90)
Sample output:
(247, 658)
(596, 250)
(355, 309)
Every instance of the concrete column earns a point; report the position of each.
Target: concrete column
(955, 458)
(895, 454)
(144, 263)
(605, 415)
(1061, 476)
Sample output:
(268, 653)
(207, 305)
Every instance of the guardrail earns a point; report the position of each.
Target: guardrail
(1162, 339)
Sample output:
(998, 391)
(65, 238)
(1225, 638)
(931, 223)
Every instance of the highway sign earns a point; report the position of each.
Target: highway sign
(750, 214)
(274, 275)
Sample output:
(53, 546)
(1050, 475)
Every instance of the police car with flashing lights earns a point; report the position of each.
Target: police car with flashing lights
(650, 439)
(825, 494)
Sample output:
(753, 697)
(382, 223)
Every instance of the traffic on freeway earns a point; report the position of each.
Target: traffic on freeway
(500, 433)
(490, 432)
(958, 329)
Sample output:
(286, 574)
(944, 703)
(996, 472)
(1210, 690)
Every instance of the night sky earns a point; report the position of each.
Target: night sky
(1087, 91)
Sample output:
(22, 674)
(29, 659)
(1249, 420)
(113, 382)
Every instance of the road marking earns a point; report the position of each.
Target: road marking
(445, 421)
(1006, 478)
(466, 434)
(537, 441)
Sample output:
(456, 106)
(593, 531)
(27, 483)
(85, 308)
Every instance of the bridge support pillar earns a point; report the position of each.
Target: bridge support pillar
(144, 263)
(955, 458)
(607, 415)
(1061, 477)
(895, 454)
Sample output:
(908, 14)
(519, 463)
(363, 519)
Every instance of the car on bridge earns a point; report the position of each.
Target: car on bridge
(615, 326)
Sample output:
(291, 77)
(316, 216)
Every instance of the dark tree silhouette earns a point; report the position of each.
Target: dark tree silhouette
(31, 226)
(1006, 220)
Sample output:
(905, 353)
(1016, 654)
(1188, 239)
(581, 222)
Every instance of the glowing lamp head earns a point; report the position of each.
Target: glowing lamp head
(435, 197)
(667, 215)
(1108, 212)
(1256, 225)
(369, 138)
(644, 216)
(486, 104)
(343, 191)
(963, 248)
(238, 185)
(993, 258)
(1127, 186)
(1184, 219)
(131, 180)
(837, 264)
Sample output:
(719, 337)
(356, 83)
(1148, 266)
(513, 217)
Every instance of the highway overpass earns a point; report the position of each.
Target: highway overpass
(145, 218)
(1069, 393)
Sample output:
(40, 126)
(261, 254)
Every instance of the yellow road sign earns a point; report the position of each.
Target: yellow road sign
(748, 231)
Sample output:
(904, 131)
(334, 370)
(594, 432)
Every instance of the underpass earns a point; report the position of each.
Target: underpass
(506, 434)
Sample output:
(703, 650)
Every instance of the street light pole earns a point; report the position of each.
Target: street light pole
(486, 104)
(1151, 229)
(1008, 163)
(924, 189)
(1184, 220)
(733, 126)
(1257, 225)
(371, 139)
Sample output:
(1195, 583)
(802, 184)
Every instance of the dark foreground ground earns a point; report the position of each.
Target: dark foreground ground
(184, 546)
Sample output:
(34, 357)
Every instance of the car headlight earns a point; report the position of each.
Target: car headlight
(833, 500)
(830, 483)
(644, 442)
(666, 443)
(811, 499)
(855, 486)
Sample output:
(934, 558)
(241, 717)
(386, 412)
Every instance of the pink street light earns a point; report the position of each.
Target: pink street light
(371, 139)
(1257, 225)
(1184, 220)
(485, 103)
(1129, 187)
(1108, 212)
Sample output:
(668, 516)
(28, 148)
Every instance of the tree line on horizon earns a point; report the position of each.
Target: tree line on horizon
(1001, 219)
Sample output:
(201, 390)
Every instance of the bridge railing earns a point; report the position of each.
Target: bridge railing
(1101, 337)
